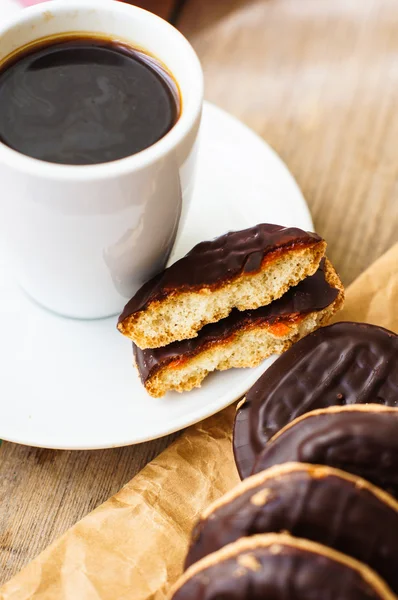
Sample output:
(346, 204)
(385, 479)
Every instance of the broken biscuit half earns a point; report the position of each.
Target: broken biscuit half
(239, 270)
(244, 338)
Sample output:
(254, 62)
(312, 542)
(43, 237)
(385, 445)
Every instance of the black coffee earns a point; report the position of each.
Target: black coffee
(82, 101)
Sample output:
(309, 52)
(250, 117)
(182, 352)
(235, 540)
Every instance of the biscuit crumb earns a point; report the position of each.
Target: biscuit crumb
(241, 403)
(275, 549)
(248, 561)
(261, 497)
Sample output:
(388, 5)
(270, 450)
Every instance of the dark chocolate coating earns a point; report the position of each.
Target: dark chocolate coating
(327, 509)
(364, 443)
(213, 263)
(346, 363)
(290, 574)
(312, 294)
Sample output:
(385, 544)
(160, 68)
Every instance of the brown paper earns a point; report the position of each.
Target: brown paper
(132, 547)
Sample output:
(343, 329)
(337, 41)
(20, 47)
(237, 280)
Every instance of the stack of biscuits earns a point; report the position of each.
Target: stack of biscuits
(230, 303)
(316, 444)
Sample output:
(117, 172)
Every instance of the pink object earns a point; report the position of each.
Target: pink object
(30, 2)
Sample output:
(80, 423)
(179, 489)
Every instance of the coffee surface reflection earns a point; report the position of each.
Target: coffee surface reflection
(81, 101)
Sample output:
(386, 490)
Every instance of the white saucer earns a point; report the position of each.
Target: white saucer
(71, 384)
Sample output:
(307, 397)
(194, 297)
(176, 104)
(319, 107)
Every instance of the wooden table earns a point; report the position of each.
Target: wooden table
(318, 79)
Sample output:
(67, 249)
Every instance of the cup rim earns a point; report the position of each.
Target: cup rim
(128, 164)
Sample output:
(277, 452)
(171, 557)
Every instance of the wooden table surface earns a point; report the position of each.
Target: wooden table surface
(318, 79)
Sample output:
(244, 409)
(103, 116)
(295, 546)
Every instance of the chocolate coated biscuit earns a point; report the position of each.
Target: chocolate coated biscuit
(241, 269)
(213, 262)
(343, 364)
(359, 439)
(319, 503)
(312, 294)
(279, 567)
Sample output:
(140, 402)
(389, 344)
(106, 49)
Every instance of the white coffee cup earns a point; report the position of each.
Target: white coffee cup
(82, 239)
